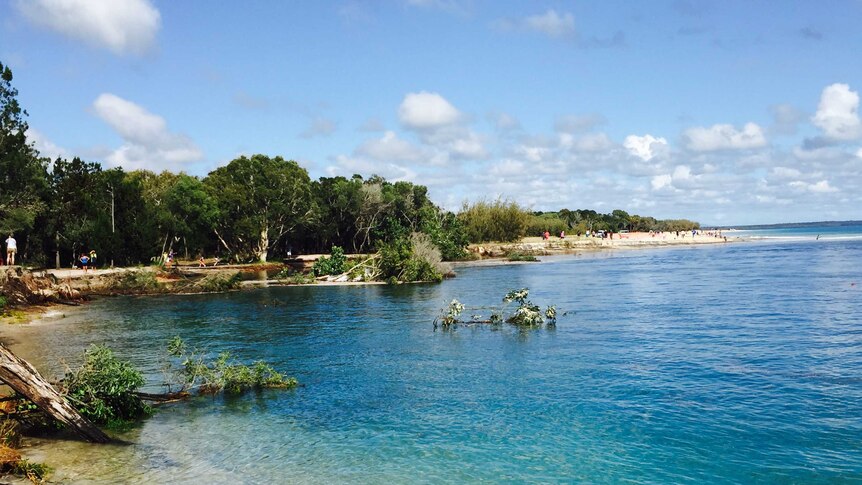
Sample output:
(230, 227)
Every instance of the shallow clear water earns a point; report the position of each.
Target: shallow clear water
(733, 363)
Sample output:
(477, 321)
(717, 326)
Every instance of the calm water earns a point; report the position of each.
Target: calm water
(825, 233)
(738, 363)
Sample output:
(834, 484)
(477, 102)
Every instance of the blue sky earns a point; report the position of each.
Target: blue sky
(725, 112)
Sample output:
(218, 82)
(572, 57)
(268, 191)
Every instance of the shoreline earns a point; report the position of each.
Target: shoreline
(92, 284)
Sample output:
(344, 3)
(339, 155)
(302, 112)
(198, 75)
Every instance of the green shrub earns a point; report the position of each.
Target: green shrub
(103, 388)
(399, 261)
(526, 314)
(538, 224)
(223, 374)
(292, 277)
(503, 221)
(35, 472)
(332, 265)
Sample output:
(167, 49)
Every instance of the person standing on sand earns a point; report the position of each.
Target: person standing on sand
(11, 249)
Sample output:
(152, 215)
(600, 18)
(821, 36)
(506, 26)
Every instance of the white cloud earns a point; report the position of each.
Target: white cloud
(122, 26)
(659, 182)
(724, 137)
(44, 146)
(821, 187)
(424, 111)
(644, 147)
(508, 168)
(551, 23)
(389, 148)
(350, 165)
(838, 113)
(147, 142)
(786, 173)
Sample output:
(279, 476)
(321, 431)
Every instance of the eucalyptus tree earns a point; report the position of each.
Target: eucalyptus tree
(259, 201)
(192, 212)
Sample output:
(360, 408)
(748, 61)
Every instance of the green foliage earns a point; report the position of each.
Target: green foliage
(406, 260)
(503, 221)
(103, 388)
(538, 224)
(332, 265)
(222, 374)
(218, 282)
(526, 314)
(519, 256)
(135, 282)
(259, 200)
(35, 472)
(452, 312)
(292, 277)
(24, 182)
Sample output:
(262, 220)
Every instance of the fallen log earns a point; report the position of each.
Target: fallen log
(25, 380)
(164, 398)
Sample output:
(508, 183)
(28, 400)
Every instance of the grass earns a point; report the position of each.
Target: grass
(519, 256)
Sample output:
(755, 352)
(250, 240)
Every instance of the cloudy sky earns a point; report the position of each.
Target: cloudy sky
(727, 112)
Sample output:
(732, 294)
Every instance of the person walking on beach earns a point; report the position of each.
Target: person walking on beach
(85, 261)
(11, 249)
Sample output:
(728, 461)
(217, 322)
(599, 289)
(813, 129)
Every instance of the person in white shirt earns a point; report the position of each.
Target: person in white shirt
(11, 249)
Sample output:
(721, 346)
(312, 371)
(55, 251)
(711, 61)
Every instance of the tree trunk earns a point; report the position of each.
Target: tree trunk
(25, 380)
(263, 245)
(57, 253)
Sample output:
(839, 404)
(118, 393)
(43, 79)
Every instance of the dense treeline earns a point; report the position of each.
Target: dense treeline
(506, 221)
(253, 209)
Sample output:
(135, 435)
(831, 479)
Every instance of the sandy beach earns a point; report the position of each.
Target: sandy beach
(571, 244)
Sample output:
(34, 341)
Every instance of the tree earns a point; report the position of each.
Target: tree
(191, 211)
(74, 212)
(259, 200)
(23, 174)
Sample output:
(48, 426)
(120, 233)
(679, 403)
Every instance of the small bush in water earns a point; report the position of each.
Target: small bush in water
(222, 374)
(103, 388)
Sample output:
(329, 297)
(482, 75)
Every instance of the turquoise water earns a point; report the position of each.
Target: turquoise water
(802, 233)
(735, 363)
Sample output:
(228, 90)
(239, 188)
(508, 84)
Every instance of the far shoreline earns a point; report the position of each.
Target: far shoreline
(484, 254)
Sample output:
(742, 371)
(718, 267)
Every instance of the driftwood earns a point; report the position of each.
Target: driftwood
(25, 380)
(163, 398)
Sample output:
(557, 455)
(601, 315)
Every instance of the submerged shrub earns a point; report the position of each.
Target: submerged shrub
(526, 314)
(191, 369)
(103, 388)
